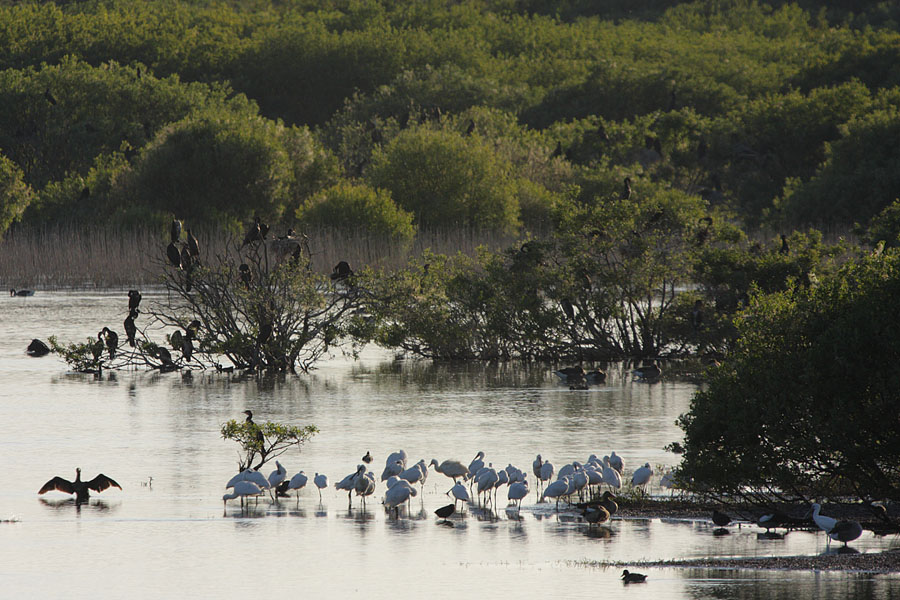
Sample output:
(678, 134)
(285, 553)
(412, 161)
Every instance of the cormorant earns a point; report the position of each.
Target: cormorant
(193, 245)
(626, 189)
(80, 488)
(253, 234)
(130, 327)
(175, 231)
(134, 300)
(112, 341)
(341, 271)
(246, 277)
(37, 348)
(785, 249)
(173, 255)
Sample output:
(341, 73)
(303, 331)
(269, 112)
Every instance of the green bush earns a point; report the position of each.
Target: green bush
(15, 194)
(358, 208)
(447, 180)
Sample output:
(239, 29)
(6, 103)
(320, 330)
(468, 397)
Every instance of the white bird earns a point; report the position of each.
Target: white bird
(451, 468)
(668, 481)
(617, 463)
(276, 477)
(642, 475)
(348, 483)
(825, 523)
(566, 470)
(321, 481)
(298, 482)
(416, 473)
(486, 481)
(546, 471)
(536, 466)
(394, 468)
(611, 477)
(557, 489)
(459, 492)
(399, 493)
(249, 475)
(517, 491)
(476, 465)
(364, 485)
(241, 489)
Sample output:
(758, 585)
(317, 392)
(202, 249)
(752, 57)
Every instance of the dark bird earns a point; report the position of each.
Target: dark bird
(37, 348)
(629, 577)
(557, 152)
(595, 376)
(48, 96)
(367, 458)
(470, 129)
(246, 276)
(570, 373)
(445, 511)
(21, 293)
(263, 230)
(626, 189)
(608, 501)
(98, 347)
(845, 531)
(134, 300)
(164, 356)
(254, 234)
(720, 518)
(175, 231)
(785, 249)
(595, 515)
(697, 315)
(703, 232)
(130, 327)
(187, 345)
(341, 271)
(651, 371)
(187, 261)
(80, 488)
(173, 255)
(259, 434)
(193, 245)
(111, 338)
(85, 193)
(568, 308)
(265, 332)
(289, 235)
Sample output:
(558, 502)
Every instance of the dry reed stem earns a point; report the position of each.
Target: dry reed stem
(70, 258)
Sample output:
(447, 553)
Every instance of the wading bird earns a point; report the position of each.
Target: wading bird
(321, 481)
(451, 468)
(241, 489)
(80, 488)
(445, 511)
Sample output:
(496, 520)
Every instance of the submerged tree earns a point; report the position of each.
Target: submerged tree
(259, 306)
(265, 441)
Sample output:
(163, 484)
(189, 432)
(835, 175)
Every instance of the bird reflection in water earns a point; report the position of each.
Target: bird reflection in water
(67, 503)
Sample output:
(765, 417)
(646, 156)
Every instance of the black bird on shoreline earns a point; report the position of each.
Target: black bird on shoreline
(80, 488)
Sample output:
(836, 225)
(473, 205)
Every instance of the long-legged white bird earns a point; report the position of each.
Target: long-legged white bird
(459, 492)
(517, 491)
(451, 468)
(399, 492)
(617, 462)
(364, 485)
(275, 478)
(241, 489)
(298, 482)
(641, 477)
(348, 483)
(611, 477)
(321, 481)
(557, 489)
(842, 531)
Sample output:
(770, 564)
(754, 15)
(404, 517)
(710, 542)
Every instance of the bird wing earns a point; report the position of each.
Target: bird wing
(58, 483)
(101, 482)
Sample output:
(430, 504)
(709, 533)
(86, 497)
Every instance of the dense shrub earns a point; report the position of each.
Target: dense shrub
(15, 194)
(357, 208)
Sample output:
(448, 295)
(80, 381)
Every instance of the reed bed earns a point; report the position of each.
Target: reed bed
(72, 258)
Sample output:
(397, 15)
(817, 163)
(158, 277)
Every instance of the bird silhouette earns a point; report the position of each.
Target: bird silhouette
(445, 511)
(367, 458)
(21, 293)
(785, 248)
(341, 271)
(175, 231)
(80, 488)
(173, 255)
(193, 245)
(130, 327)
(134, 300)
(111, 338)
(245, 275)
(720, 518)
(629, 577)
(37, 348)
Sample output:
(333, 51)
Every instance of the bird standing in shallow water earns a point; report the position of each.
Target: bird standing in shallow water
(80, 488)
(445, 511)
(629, 577)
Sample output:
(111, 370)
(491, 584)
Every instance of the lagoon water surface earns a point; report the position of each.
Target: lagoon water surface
(169, 536)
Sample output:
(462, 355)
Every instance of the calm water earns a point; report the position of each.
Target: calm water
(171, 538)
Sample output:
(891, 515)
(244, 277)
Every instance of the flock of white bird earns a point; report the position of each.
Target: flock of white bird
(478, 479)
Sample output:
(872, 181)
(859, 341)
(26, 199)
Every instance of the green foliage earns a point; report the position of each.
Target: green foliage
(884, 227)
(15, 194)
(358, 208)
(267, 440)
(447, 180)
(87, 357)
(805, 405)
(860, 176)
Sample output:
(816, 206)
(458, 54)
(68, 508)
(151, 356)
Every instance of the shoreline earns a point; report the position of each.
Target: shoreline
(885, 562)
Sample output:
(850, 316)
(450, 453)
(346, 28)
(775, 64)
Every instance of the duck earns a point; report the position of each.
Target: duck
(21, 293)
(720, 518)
(570, 373)
(629, 577)
(648, 371)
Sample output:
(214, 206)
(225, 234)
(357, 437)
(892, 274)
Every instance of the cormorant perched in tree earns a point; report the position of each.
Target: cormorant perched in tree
(254, 234)
(471, 128)
(259, 434)
(130, 327)
(134, 300)
(626, 189)
(187, 262)
(568, 308)
(187, 345)
(48, 96)
(165, 357)
(341, 271)
(785, 249)
(703, 232)
(265, 333)
(246, 276)
(193, 245)
(558, 151)
(112, 341)
(173, 255)
(80, 488)
(175, 231)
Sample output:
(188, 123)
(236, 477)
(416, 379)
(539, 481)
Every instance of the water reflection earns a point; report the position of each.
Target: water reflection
(133, 424)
